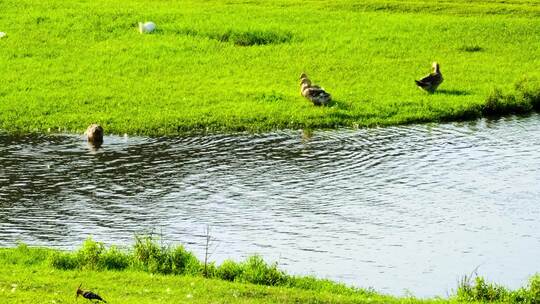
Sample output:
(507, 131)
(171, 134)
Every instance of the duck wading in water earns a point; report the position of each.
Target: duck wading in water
(94, 134)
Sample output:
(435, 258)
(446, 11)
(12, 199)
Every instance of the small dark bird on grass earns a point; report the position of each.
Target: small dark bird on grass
(431, 81)
(316, 94)
(88, 295)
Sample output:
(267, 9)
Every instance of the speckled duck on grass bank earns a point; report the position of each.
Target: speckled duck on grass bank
(315, 93)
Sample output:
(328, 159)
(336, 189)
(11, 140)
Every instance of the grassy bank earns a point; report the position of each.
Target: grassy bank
(227, 65)
(153, 273)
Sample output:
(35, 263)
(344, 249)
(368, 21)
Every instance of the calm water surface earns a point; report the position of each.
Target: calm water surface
(402, 208)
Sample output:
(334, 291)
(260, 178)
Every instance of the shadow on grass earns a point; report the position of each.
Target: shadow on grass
(453, 92)
(340, 104)
(471, 48)
(240, 37)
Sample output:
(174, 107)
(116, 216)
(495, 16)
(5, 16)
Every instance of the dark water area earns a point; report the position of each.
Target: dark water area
(399, 209)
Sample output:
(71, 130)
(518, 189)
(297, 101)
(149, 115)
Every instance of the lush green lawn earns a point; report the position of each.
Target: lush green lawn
(154, 273)
(65, 64)
(26, 276)
(19, 284)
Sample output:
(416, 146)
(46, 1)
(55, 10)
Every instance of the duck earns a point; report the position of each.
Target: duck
(88, 295)
(431, 81)
(94, 134)
(315, 93)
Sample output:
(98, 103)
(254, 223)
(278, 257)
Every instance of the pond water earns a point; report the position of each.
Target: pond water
(400, 209)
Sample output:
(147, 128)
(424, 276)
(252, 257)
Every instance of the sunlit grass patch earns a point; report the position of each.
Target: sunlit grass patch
(226, 66)
(153, 272)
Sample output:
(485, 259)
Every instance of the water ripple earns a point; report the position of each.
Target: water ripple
(367, 207)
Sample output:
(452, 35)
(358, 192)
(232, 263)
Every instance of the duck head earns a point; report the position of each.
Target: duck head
(79, 291)
(436, 67)
(305, 81)
(94, 134)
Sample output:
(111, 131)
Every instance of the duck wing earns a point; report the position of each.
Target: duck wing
(431, 78)
(430, 82)
(92, 296)
(315, 91)
(317, 96)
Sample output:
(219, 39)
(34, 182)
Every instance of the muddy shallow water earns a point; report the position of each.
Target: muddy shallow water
(400, 208)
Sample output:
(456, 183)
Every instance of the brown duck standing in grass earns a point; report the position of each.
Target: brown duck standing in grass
(88, 295)
(94, 134)
(431, 81)
(316, 94)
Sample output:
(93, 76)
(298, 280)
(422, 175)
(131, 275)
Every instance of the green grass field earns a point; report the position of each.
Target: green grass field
(19, 284)
(145, 275)
(233, 65)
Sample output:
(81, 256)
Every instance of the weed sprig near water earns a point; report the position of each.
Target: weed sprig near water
(149, 256)
(211, 65)
(524, 98)
(476, 289)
